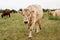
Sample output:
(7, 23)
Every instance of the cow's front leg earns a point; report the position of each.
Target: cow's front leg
(31, 29)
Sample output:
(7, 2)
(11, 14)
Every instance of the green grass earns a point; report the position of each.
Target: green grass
(53, 17)
(13, 28)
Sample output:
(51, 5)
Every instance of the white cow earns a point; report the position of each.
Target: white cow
(54, 13)
(32, 16)
(57, 13)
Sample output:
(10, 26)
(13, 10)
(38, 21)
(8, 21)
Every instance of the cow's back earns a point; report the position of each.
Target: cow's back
(57, 12)
(6, 12)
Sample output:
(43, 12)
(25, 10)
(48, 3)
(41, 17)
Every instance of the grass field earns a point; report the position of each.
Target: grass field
(13, 28)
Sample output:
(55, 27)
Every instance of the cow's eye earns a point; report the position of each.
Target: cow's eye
(28, 15)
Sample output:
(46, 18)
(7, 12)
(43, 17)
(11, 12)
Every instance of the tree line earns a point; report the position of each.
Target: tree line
(14, 11)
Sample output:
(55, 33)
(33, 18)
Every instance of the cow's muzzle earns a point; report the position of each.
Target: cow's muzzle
(25, 22)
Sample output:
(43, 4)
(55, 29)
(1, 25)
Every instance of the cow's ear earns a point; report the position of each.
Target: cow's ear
(20, 11)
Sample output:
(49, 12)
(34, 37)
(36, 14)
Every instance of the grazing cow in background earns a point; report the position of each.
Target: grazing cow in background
(32, 16)
(54, 13)
(57, 13)
(6, 12)
(50, 12)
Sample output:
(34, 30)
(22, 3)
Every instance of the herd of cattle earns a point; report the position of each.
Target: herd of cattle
(32, 16)
(54, 13)
(7, 12)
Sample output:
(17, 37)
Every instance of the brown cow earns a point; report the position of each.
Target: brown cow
(6, 12)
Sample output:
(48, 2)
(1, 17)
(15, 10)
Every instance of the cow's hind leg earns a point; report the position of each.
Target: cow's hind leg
(39, 23)
(37, 27)
(2, 16)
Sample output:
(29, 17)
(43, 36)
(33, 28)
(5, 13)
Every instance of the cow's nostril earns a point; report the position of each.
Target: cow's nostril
(25, 22)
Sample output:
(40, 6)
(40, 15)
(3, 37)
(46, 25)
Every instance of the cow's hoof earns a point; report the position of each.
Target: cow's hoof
(25, 34)
(37, 33)
(30, 38)
(5, 39)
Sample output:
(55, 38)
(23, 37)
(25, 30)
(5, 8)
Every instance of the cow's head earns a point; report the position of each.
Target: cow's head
(26, 13)
(49, 12)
